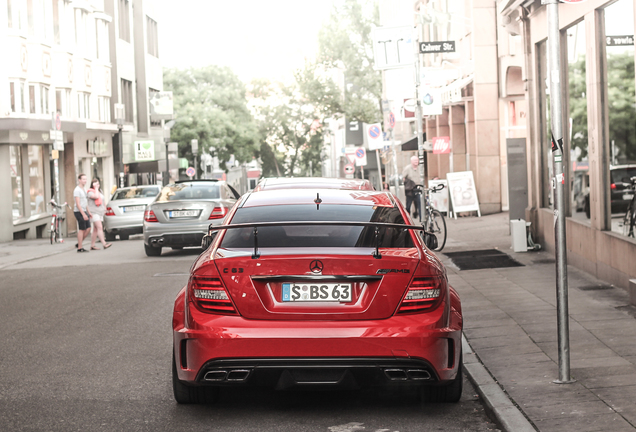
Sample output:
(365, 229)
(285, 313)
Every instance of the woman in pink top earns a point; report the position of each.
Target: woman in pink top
(97, 207)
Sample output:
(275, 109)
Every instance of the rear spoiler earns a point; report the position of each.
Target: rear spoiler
(429, 238)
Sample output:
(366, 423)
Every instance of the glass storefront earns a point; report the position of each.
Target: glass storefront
(15, 162)
(36, 180)
(621, 105)
(545, 125)
(576, 129)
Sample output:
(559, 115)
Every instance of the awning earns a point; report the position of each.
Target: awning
(411, 144)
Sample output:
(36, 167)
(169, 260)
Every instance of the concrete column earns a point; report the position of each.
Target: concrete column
(597, 122)
(458, 137)
(6, 197)
(486, 168)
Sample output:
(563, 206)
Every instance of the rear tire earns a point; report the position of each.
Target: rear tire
(451, 392)
(438, 227)
(185, 394)
(152, 251)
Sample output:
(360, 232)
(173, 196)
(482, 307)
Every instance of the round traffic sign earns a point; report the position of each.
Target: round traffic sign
(374, 132)
(190, 172)
(360, 153)
(349, 169)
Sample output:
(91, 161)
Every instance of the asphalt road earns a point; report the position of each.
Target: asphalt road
(86, 346)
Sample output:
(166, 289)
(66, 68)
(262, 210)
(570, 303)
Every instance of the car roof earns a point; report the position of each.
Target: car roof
(274, 183)
(310, 195)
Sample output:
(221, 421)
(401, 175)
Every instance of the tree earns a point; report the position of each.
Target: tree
(291, 129)
(345, 43)
(622, 105)
(210, 105)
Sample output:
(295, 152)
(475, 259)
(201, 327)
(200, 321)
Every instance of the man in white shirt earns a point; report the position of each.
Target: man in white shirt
(413, 173)
(80, 209)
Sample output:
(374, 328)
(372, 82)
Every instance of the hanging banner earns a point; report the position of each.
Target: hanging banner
(431, 101)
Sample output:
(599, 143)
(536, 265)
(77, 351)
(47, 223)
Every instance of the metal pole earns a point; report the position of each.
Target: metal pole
(121, 158)
(395, 165)
(554, 64)
(420, 132)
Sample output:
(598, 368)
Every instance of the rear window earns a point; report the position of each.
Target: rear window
(140, 192)
(622, 175)
(307, 236)
(189, 191)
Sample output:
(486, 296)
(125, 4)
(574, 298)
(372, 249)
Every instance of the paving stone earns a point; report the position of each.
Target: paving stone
(576, 409)
(589, 423)
(611, 381)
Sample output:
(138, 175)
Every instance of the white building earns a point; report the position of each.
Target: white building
(74, 59)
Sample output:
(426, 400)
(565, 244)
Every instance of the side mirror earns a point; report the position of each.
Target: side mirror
(208, 239)
(430, 240)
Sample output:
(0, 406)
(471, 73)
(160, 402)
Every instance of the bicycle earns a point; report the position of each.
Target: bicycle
(433, 219)
(630, 217)
(55, 233)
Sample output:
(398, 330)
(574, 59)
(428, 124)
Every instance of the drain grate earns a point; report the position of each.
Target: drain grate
(482, 259)
(595, 287)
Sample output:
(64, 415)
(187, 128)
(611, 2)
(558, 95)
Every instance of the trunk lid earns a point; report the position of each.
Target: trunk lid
(286, 285)
(184, 210)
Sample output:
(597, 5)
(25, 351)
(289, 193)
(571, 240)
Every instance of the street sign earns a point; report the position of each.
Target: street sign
(349, 169)
(361, 157)
(374, 136)
(626, 40)
(392, 47)
(190, 172)
(391, 120)
(441, 145)
(161, 106)
(431, 101)
(437, 47)
(58, 121)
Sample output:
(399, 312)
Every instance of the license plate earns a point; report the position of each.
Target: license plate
(628, 197)
(316, 292)
(134, 208)
(183, 213)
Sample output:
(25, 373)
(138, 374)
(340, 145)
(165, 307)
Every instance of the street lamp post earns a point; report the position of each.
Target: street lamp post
(166, 137)
(195, 150)
(120, 116)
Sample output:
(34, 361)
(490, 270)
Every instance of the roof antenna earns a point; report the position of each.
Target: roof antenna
(317, 201)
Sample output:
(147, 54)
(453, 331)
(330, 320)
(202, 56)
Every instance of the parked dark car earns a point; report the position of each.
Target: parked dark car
(621, 193)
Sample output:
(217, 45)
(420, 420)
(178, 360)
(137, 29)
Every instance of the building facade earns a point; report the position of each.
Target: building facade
(63, 67)
(599, 123)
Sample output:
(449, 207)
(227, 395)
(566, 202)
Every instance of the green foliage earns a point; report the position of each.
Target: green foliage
(345, 44)
(210, 105)
(622, 105)
(578, 106)
(289, 122)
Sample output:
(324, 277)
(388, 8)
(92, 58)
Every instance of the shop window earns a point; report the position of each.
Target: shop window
(576, 130)
(621, 106)
(15, 162)
(36, 180)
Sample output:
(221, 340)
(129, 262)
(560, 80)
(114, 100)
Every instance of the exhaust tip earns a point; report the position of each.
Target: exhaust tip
(396, 374)
(238, 375)
(218, 375)
(418, 374)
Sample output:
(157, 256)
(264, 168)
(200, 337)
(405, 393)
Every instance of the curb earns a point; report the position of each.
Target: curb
(497, 403)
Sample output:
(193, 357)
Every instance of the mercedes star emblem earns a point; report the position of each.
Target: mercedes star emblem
(316, 266)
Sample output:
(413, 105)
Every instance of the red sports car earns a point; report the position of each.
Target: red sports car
(314, 288)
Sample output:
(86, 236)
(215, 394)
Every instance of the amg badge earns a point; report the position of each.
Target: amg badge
(387, 271)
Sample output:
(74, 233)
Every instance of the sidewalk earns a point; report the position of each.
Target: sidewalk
(19, 251)
(510, 323)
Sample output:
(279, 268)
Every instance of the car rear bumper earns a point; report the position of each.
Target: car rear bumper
(402, 350)
(131, 224)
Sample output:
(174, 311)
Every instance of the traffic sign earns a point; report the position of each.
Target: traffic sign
(349, 169)
(361, 157)
(437, 47)
(190, 172)
(391, 120)
(58, 122)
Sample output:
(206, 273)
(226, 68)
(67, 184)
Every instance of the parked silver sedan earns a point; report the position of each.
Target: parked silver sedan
(125, 211)
(180, 216)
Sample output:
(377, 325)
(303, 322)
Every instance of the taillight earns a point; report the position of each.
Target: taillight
(218, 213)
(209, 295)
(109, 212)
(613, 186)
(149, 216)
(423, 294)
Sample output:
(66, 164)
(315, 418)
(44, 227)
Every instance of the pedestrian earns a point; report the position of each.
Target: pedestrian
(82, 214)
(97, 207)
(411, 175)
